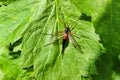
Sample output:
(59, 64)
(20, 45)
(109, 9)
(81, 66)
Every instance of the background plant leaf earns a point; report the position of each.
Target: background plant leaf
(34, 20)
(107, 26)
(14, 19)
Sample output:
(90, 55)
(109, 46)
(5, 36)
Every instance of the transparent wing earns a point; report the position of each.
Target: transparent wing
(74, 42)
(53, 40)
(58, 34)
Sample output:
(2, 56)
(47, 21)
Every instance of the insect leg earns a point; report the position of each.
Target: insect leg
(76, 20)
(63, 18)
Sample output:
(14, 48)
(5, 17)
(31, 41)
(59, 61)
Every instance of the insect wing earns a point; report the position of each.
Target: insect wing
(74, 42)
(55, 37)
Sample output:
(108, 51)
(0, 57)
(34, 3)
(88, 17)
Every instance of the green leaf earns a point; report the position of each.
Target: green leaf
(14, 19)
(107, 26)
(9, 68)
(47, 61)
(35, 20)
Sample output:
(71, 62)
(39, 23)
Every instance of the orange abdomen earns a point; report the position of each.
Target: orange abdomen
(65, 36)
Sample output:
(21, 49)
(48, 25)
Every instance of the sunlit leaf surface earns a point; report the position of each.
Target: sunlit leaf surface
(31, 33)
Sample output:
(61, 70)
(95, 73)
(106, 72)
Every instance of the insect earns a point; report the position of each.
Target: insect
(65, 40)
(67, 36)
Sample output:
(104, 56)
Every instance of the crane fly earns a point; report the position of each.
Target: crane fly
(66, 37)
